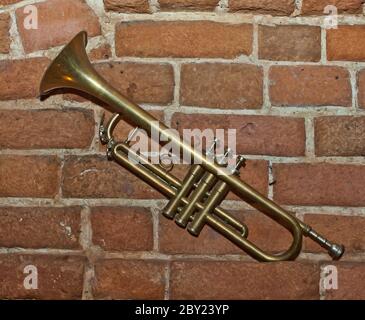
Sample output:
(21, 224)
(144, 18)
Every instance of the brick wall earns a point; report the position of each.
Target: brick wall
(294, 90)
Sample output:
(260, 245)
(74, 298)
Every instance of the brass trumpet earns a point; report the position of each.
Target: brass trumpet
(195, 201)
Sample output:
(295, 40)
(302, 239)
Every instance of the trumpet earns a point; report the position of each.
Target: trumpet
(195, 201)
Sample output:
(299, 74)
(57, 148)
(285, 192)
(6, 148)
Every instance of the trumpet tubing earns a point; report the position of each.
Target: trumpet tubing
(195, 201)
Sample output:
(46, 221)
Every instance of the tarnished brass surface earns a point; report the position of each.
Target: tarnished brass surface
(195, 201)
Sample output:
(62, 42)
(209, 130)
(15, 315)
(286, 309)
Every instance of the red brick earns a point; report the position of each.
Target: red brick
(346, 230)
(140, 82)
(212, 280)
(29, 176)
(46, 128)
(262, 231)
(350, 282)
(361, 88)
(183, 39)
(310, 86)
(175, 240)
(264, 135)
(19, 79)
(256, 174)
(58, 277)
(290, 43)
(201, 5)
(58, 22)
(118, 229)
(4, 33)
(101, 52)
(266, 233)
(320, 184)
(149, 83)
(317, 7)
(272, 7)
(52, 227)
(231, 86)
(96, 177)
(127, 6)
(118, 279)
(346, 43)
(340, 136)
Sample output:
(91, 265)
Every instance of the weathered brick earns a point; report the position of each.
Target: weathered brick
(127, 6)
(140, 82)
(346, 230)
(40, 227)
(58, 277)
(101, 52)
(272, 7)
(255, 134)
(266, 233)
(123, 279)
(361, 88)
(122, 228)
(256, 174)
(243, 280)
(340, 136)
(346, 43)
(228, 86)
(96, 177)
(19, 79)
(183, 39)
(290, 43)
(317, 7)
(175, 240)
(58, 23)
(201, 5)
(319, 184)
(46, 128)
(350, 283)
(4, 33)
(310, 86)
(263, 232)
(29, 176)
(149, 83)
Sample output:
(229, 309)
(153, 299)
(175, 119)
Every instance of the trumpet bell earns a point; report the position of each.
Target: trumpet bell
(70, 69)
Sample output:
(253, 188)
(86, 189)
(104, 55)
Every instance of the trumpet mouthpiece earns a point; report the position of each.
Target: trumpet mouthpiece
(336, 251)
